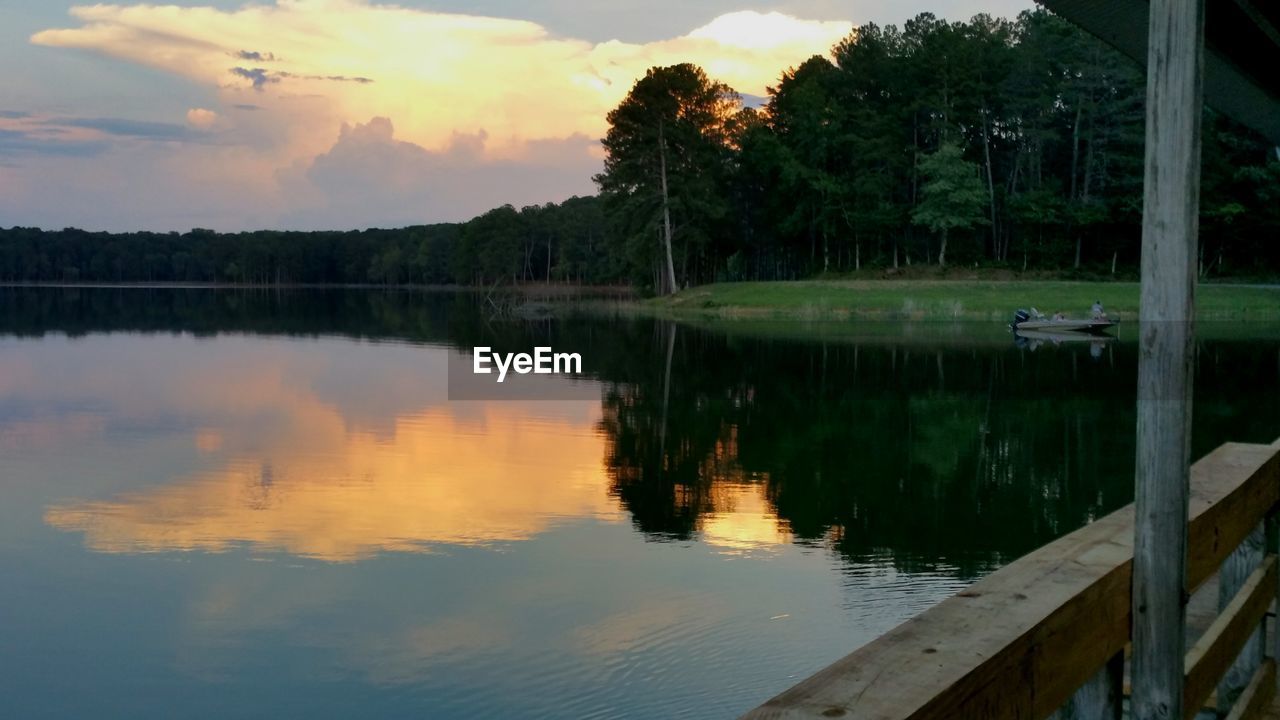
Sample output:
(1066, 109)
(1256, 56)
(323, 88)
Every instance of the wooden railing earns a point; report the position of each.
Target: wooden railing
(1046, 635)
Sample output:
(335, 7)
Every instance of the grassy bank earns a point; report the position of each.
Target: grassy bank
(946, 300)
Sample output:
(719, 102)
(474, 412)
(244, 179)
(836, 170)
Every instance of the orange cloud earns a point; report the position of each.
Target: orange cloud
(433, 74)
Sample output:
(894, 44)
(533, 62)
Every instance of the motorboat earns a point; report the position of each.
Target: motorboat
(1034, 321)
(1067, 336)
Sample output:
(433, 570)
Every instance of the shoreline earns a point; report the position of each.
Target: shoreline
(916, 299)
(943, 300)
(539, 289)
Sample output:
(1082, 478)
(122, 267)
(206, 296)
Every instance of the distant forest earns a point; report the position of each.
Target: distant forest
(993, 143)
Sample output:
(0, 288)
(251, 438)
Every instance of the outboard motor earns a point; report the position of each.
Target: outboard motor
(1020, 316)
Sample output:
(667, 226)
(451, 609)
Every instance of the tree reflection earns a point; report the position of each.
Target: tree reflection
(949, 451)
(967, 456)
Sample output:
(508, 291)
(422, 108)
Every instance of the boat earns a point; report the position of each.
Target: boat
(1066, 325)
(1035, 339)
(1069, 336)
(1032, 320)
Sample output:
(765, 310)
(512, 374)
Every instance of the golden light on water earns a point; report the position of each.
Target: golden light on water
(435, 481)
(746, 522)
(296, 449)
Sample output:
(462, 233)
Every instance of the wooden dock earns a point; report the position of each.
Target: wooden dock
(1046, 636)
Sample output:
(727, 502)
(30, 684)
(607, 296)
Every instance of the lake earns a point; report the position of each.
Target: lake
(230, 503)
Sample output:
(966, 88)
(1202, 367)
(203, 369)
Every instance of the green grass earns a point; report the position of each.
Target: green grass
(946, 300)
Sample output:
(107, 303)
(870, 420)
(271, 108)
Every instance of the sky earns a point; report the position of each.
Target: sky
(342, 114)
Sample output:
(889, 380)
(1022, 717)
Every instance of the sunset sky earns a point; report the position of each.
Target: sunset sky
(309, 114)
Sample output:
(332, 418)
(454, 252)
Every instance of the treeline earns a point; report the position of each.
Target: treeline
(991, 142)
(564, 242)
(1014, 144)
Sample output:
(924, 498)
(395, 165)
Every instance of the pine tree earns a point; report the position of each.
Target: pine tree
(952, 196)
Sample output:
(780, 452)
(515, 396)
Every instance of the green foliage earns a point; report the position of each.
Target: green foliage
(952, 196)
(568, 242)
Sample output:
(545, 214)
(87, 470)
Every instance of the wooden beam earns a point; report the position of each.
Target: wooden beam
(1017, 643)
(1261, 21)
(1231, 488)
(1021, 641)
(1247, 94)
(1272, 530)
(1170, 216)
(1236, 571)
(1258, 695)
(1211, 656)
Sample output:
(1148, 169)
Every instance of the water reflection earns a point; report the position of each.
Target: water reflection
(938, 445)
(321, 491)
(276, 496)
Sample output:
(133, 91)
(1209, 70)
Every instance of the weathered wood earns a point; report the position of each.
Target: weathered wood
(1236, 570)
(1175, 70)
(1020, 642)
(1213, 653)
(1272, 529)
(1257, 696)
(1100, 698)
(1232, 488)
(993, 649)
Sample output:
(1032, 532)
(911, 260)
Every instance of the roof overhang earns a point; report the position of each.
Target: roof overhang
(1242, 51)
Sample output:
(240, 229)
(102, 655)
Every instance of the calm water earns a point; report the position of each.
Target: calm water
(230, 504)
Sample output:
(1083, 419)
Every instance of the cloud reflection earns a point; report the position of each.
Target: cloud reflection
(436, 481)
(320, 449)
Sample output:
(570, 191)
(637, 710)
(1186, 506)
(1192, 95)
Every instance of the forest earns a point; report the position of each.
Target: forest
(996, 143)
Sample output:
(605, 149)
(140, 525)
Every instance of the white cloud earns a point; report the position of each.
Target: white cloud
(202, 118)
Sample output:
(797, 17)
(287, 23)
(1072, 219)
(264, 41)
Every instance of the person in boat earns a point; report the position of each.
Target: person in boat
(1059, 316)
(1098, 313)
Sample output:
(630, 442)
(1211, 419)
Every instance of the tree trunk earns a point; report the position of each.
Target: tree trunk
(991, 187)
(826, 250)
(915, 158)
(666, 396)
(942, 250)
(813, 242)
(1009, 191)
(1075, 148)
(666, 211)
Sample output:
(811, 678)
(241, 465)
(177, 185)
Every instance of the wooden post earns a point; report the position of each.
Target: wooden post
(1175, 69)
